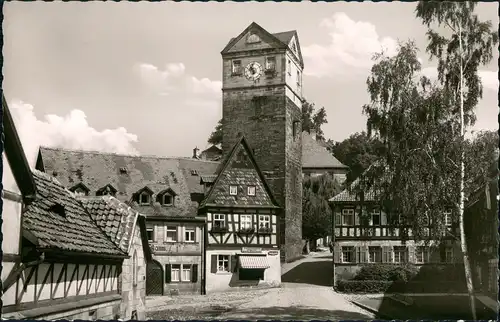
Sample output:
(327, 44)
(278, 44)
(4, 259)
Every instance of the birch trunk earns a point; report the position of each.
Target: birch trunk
(463, 242)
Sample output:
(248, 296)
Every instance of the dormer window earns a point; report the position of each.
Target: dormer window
(107, 190)
(166, 197)
(194, 172)
(251, 190)
(123, 170)
(233, 190)
(80, 190)
(144, 198)
(58, 209)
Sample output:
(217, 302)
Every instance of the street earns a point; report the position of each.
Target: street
(305, 294)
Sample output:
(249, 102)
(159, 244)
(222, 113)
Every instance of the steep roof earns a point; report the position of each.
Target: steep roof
(348, 196)
(15, 156)
(212, 148)
(58, 221)
(116, 219)
(240, 169)
(96, 170)
(315, 155)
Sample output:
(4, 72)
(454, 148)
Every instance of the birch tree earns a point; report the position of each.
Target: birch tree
(459, 56)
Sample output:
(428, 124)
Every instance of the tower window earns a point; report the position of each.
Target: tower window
(289, 67)
(270, 63)
(295, 129)
(236, 67)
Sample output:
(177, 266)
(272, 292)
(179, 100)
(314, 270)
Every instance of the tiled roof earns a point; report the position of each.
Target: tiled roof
(239, 169)
(74, 230)
(115, 218)
(315, 155)
(285, 36)
(96, 170)
(213, 148)
(347, 196)
(209, 178)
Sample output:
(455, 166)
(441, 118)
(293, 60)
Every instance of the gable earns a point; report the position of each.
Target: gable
(8, 181)
(241, 171)
(253, 37)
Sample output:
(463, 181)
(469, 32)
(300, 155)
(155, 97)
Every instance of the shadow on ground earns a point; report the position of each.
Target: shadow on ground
(292, 313)
(315, 273)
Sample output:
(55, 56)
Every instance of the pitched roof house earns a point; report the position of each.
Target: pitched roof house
(60, 264)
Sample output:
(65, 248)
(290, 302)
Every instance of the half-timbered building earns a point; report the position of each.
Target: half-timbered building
(365, 234)
(242, 247)
(165, 190)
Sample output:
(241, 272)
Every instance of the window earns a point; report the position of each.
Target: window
(144, 198)
(236, 68)
(448, 255)
(347, 254)
(175, 273)
(150, 233)
(245, 221)
(253, 38)
(348, 217)
(264, 221)
(167, 200)
(189, 234)
(135, 268)
(422, 254)
(376, 218)
(171, 234)
(400, 254)
(289, 67)
(270, 63)
(374, 254)
(251, 190)
(447, 218)
(298, 79)
(233, 190)
(295, 129)
(219, 220)
(80, 192)
(186, 273)
(133, 315)
(222, 263)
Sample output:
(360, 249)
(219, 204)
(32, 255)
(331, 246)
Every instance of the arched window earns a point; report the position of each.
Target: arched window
(135, 269)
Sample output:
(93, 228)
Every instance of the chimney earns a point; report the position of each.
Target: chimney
(195, 153)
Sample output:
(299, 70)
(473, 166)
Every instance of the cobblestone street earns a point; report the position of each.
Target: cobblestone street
(305, 294)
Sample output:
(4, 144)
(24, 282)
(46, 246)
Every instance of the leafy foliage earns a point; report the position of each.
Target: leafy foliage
(386, 272)
(316, 213)
(357, 152)
(216, 136)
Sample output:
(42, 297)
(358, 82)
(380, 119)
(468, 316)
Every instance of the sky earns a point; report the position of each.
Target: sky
(145, 78)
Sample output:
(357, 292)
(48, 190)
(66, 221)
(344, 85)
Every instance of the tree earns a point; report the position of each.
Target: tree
(216, 136)
(459, 57)
(316, 213)
(312, 120)
(357, 152)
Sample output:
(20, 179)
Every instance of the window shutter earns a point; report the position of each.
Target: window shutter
(233, 263)
(196, 230)
(179, 234)
(357, 214)
(358, 254)
(337, 250)
(364, 252)
(389, 254)
(411, 254)
(194, 273)
(213, 264)
(384, 254)
(383, 218)
(168, 273)
(225, 220)
(337, 219)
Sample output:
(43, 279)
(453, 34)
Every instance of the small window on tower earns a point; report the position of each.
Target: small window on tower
(236, 67)
(270, 63)
(295, 129)
(289, 67)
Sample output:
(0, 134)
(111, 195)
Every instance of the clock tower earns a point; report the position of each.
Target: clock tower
(262, 99)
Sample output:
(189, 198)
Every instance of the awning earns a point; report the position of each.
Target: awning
(253, 262)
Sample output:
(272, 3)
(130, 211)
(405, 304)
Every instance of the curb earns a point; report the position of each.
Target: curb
(371, 310)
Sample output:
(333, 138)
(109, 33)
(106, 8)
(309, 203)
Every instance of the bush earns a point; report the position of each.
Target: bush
(440, 273)
(386, 272)
(364, 286)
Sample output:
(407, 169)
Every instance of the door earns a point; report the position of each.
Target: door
(154, 278)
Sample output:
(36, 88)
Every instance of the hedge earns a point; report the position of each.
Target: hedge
(367, 286)
(386, 272)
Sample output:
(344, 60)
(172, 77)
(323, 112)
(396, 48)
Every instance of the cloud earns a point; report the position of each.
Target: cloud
(174, 79)
(489, 79)
(71, 131)
(352, 45)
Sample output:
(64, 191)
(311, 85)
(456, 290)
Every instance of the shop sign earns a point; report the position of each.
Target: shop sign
(253, 250)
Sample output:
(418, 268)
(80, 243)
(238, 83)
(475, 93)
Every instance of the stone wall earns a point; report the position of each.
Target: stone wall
(265, 116)
(134, 296)
(103, 311)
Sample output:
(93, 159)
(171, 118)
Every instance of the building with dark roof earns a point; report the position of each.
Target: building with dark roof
(59, 261)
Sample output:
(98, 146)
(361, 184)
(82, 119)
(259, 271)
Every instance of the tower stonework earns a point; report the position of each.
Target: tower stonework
(262, 99)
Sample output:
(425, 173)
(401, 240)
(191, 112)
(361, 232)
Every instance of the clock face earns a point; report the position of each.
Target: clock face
(253, 71)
